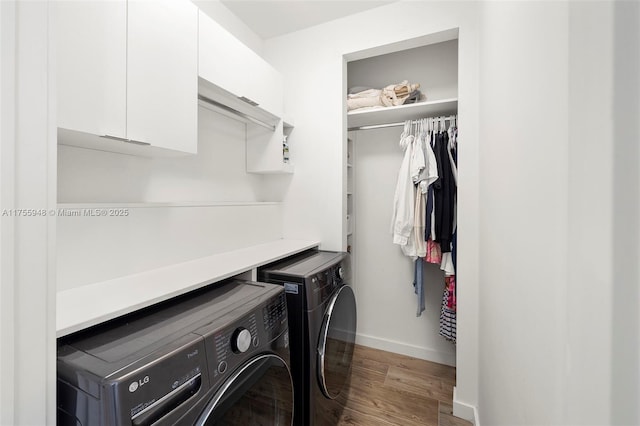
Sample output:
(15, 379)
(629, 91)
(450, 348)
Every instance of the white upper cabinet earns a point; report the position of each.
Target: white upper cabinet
(230, 65)
(128, 70)
(92, 66)
(162, 77)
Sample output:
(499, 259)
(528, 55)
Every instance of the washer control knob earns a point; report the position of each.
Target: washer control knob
(340, 272)
(241, 340)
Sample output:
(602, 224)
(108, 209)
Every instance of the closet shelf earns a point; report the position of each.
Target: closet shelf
(367, 117)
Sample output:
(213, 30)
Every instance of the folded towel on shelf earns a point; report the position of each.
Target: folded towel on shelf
(364, 99)
(357, 89)
(391, 95)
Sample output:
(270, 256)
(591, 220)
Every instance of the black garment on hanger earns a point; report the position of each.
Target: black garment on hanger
(429, 195)
(444, 192)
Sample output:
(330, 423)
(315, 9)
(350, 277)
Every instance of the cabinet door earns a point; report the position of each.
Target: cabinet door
(223, 59)
(232, 66)
(266, 86)
(162, 73)
(91, 66)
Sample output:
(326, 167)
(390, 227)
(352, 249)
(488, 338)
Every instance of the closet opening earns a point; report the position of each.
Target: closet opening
(418, 79)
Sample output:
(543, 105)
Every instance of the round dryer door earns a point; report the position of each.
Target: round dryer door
(258, 393)
(337, 341)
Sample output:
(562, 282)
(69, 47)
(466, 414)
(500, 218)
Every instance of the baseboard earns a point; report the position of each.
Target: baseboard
(465, 411)
(406, 349)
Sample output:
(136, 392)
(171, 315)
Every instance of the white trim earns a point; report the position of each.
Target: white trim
(402, 348)
(51, 199)
(7, 201)
(464, 410)
(29, 158)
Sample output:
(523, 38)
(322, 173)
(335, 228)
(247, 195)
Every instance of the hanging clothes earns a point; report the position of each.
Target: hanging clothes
(403, 200)
(448, 311)
(423, 218)
(424, 173)
(444, 194)
(434, 254)
(418, 285)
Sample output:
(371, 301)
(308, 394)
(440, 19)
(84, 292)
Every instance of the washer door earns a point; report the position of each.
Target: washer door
(258, 393)
(337, 340)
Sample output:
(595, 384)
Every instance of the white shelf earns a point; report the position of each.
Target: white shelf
(367, 117)
(285, 169)
(86, 306)
(167, 204)
(288, 123)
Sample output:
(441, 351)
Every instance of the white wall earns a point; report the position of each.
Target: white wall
(523, 212)
(216, 173)
(559, 213)
(312, 62)
(222, 15)
(93, 249)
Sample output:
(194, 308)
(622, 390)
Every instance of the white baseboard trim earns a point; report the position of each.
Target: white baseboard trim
(406, 349)
(465, 411)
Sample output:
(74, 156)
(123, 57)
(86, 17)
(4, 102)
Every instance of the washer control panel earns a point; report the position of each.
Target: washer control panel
(234, 340)
(230, 346)
(274, 315)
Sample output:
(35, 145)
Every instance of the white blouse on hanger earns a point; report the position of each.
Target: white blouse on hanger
(403, 200)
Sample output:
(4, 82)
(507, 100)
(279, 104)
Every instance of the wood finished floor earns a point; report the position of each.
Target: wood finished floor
(392, 389)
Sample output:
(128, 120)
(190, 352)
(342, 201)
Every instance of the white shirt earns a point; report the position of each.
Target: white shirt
(403, 200)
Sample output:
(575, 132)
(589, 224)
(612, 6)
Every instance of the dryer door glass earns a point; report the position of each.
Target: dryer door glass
(337, 340)
(258, 393)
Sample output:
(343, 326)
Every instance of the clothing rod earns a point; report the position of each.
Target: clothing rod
(236, 112)
(382, 126)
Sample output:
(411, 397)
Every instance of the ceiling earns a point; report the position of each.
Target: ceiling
(270, 18)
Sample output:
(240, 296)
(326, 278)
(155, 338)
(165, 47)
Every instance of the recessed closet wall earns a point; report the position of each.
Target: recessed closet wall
(434, 66)
(384, 275)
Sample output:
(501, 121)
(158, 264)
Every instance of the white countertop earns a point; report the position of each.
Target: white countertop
(92, 304)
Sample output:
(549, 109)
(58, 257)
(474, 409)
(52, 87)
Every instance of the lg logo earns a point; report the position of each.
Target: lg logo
(135, 385)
